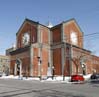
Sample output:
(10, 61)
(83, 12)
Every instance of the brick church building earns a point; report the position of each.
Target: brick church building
(45, 51)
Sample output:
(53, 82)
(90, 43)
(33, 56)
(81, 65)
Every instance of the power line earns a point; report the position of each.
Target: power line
(86, 35)
(65, 38)
(91, 34)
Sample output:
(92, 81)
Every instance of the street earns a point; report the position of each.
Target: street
(23, 88)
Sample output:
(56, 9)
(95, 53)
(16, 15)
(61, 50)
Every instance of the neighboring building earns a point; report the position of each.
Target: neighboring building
(57, 50)
(4, 64)
(95, 62)
(10, 49)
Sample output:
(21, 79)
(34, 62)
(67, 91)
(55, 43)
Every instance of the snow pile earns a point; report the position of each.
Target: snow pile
(87, 77)
(9, 77)
(31, 78)
(57, 79)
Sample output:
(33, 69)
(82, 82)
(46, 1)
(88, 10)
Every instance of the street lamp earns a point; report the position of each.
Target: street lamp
(82, 63)
(83, 67)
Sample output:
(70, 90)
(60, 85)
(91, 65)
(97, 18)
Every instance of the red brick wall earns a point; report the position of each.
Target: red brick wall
(12, 64)
(72, 27)
(45, 34)
(33, 34)
(56, 34)
(57, 61)
(35, 62)
(77, 54)
(26, 66)
(25, 58)
(67, 63)
(95, 63)
(45, 58)
(44, 61)
(31, 29)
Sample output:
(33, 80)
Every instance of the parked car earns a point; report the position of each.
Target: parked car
(77, 78)
(94, 76)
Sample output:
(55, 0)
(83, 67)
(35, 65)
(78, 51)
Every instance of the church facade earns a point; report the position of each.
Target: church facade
(48, 51)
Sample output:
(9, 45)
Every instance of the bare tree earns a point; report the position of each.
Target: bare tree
(79, 61)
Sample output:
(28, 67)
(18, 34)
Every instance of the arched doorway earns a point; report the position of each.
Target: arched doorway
(18, 67)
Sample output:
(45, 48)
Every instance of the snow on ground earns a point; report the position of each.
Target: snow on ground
(87, 77)
(18, 77)
(44, 79)
(55, 79)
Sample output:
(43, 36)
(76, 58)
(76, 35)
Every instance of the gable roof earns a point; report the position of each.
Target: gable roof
(26, 20)
(67, 22)
(75, 22)
(36, 23)
(30, 21)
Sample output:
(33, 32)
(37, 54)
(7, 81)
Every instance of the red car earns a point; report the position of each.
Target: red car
(77, 78)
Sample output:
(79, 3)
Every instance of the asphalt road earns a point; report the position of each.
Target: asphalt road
(21, 88)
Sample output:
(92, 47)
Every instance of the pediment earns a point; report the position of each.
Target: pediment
(26, 26)
(74, 23)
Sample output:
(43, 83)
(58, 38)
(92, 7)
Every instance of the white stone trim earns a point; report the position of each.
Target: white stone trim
(62, 60)
(38, 33)
(31, 60)
(15, 69)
